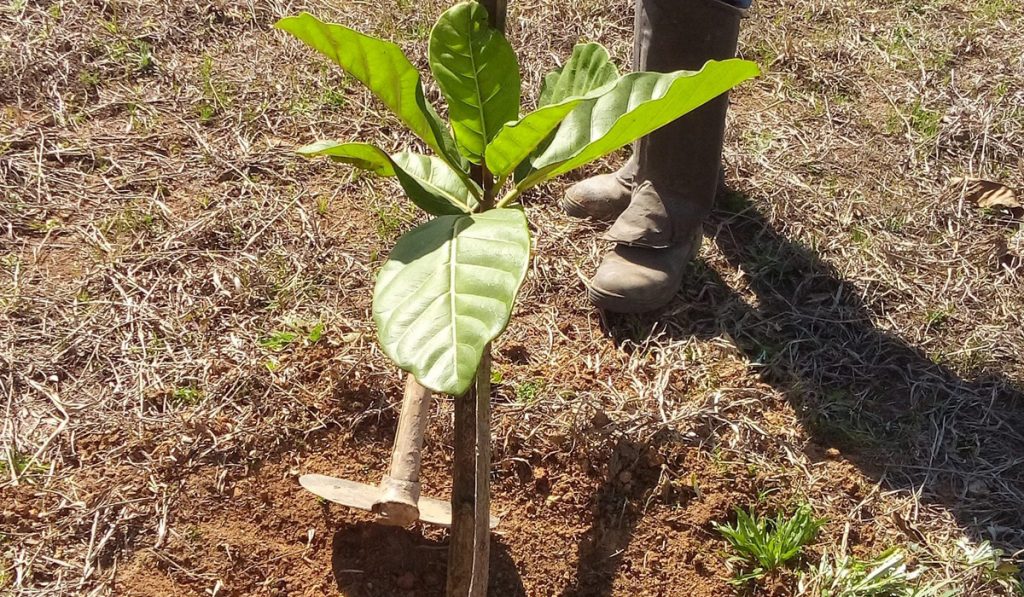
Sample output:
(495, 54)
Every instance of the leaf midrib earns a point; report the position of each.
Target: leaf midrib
(479, 92)
(452, 252)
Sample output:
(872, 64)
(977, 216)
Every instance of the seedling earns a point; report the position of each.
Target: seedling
(448, 287)
(528, 392)
(187, 395)
(763, 544)
(315, 333)
(277, 341)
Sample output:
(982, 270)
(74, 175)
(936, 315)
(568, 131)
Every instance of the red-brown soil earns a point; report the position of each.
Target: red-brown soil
(622, 526)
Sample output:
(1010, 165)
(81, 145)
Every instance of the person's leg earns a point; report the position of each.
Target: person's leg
(676, 168)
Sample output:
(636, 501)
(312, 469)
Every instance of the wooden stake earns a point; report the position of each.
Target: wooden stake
(497, 10)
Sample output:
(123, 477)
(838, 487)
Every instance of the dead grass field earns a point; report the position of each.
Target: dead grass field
(184, 313)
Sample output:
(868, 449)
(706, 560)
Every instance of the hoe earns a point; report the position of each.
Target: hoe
(396, 501)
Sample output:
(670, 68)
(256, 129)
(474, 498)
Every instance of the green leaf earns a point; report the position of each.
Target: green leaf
(278, 340)
(588, 68)
(360, 155)
(478, 73)
(384, 69)
(316, 332)
(447, 290)
(433, 185)
(638, 104)
(429, 182)
(587, 74)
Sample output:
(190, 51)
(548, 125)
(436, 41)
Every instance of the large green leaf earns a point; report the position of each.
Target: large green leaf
(384, 69)
(478, 73)
(587, 75)
(638, 104)
(361, 155)
(429, 182)
(588, 68)
(434, 185)
(447, 290)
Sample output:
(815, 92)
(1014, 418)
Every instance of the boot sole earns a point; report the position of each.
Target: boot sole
(618, 304)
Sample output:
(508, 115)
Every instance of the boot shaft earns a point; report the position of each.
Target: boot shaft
(671, 35)
(679, 164)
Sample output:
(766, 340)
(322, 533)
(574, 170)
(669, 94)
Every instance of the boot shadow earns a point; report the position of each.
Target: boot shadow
(374, 560)
(904, 420)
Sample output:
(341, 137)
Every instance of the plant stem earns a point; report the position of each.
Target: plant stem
(483, 176)
(508, 198)
(470, 547)
(469, 551)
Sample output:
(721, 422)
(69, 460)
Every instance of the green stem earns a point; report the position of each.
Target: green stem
(508, 198)
(499, 184)
(467, 180)
(534, 179)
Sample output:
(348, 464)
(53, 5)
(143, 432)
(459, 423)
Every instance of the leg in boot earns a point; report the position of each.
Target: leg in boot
(603, 197)
(677, 166)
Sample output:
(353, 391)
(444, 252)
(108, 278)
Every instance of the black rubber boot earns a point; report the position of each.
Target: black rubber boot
(677, 166)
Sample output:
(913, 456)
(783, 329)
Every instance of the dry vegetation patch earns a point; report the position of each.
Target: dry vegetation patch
(184, 313)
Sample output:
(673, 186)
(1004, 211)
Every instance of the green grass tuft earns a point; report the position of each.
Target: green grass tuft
(21, 464)
(762, 544)
(992, 566)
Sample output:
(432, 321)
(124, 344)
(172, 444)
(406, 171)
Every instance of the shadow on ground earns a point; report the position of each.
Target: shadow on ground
(902, 419)
(373, 560)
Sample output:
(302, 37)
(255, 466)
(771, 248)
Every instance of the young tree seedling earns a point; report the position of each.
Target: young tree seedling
(448, 287)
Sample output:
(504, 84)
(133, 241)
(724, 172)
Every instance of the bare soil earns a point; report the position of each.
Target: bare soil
(564, 530)
(851, 337)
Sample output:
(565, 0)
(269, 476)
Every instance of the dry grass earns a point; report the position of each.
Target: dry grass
(850, 313)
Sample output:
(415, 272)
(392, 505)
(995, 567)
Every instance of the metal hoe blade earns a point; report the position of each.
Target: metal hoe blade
(342, 491)
(364, 497)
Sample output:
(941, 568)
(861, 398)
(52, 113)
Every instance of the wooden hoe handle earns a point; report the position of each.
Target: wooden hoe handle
(400, 488)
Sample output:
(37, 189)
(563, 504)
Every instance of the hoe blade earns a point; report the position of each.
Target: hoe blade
(362, 496)
(342, 491)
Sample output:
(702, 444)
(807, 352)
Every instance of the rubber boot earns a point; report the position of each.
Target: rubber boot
(603, 197)
(678, 166)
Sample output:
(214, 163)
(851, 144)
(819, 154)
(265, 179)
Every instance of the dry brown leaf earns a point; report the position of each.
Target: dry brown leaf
(986, 193)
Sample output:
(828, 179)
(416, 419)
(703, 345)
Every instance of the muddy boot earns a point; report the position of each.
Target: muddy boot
(677, 166)
(602, 197)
